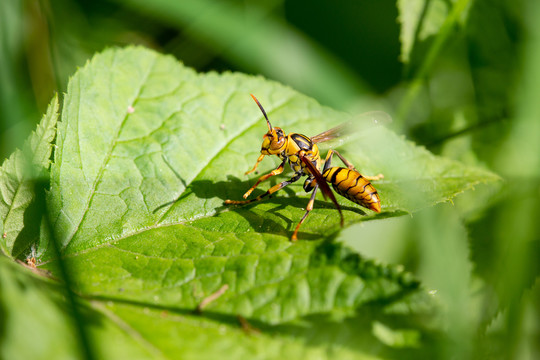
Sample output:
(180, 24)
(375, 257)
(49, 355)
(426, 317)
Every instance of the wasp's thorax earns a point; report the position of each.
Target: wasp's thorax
(274, 142)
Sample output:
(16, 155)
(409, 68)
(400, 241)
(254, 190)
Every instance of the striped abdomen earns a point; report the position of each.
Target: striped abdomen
(352, 185)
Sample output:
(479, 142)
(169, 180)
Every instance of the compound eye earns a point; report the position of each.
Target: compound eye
(277, 144)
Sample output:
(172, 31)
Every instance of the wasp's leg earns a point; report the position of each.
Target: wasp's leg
(309, 207)
(322, 182)
(276, 171)
(255, 166)
(270, 191)
(328, 161)
(373, 178)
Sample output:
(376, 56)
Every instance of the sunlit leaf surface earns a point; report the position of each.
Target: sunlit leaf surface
(148, 150)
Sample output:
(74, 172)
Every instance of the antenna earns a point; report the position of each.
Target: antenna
(264, 112)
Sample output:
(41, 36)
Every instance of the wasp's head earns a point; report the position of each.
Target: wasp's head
(274, 140)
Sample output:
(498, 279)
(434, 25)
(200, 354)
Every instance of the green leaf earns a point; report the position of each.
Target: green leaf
(147, 152)
(421, 20)
(410, 16)
(36, 325)
(147, 143)
(426, 27)
(18, 177)
(30, 301)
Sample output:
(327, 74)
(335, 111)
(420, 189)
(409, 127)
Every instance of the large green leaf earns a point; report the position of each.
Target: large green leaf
(146, 143)
(148, 150)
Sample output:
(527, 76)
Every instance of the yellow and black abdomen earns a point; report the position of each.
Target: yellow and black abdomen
(352, 185)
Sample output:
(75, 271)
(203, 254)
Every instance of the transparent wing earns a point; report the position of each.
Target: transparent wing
(333, 133)
(357, 123)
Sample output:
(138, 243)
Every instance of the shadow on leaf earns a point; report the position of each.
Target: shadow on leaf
(234, 188)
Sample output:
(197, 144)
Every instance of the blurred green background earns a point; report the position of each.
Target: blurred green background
(461, 77)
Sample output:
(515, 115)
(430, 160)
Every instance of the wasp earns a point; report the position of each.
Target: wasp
(302, 154)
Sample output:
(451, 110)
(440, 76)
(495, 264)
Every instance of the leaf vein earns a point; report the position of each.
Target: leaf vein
(218, 152)
(97, 180)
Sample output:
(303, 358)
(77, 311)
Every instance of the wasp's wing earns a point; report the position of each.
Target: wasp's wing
(358, 122)
(322, 184)
(333, 133)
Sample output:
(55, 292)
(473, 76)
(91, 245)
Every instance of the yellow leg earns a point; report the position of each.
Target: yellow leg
(328, 161)
(274, 172)
(309, 207)
(372, 178)
(270, 191)
(255, 166)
